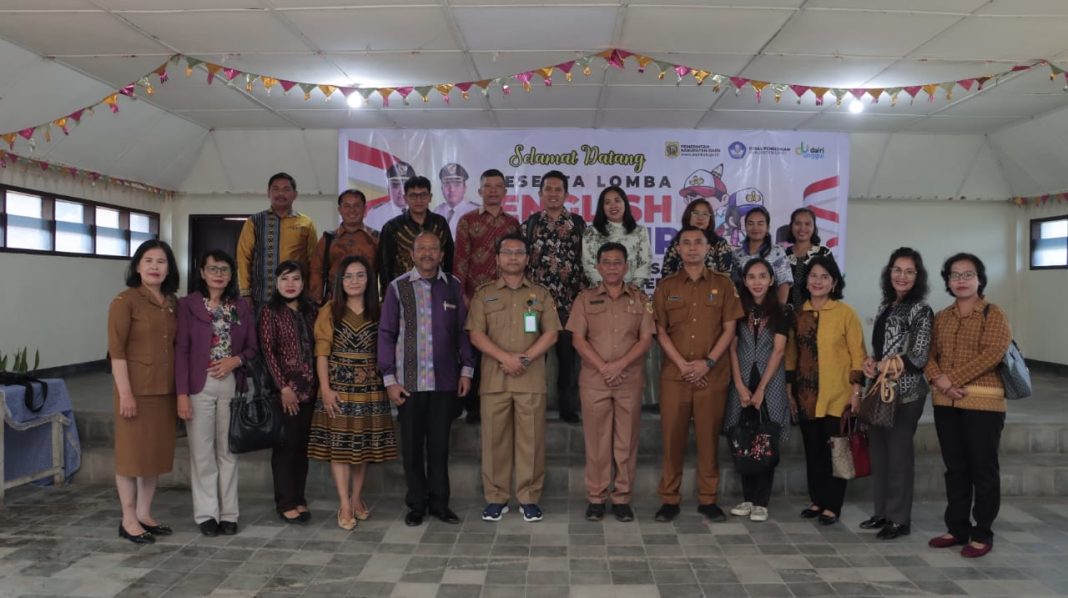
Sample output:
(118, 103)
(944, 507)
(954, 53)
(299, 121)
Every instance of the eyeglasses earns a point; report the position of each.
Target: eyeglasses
(955, 276)
(516, 252)
(217, 270)
(905, 273)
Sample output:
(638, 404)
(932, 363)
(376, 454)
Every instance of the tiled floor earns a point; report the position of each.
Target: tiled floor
(62, 541)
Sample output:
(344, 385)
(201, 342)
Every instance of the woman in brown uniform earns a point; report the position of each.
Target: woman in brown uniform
(141, 327)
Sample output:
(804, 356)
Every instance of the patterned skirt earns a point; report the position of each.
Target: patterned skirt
(363, 431)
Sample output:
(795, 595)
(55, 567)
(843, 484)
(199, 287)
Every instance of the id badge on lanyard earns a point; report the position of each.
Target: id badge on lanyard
(530, 321)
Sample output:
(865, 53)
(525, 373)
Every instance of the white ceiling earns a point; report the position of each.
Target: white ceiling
(846, 43)
(59, 55)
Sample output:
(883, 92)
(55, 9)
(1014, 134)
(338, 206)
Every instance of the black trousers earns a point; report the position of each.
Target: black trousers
(425, 419)
(289, 460)
(969, 441)
(893, 464)
(567, 360)
(757, 488)
(824, 490)
(471, 403)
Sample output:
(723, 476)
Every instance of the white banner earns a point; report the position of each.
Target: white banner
(661, 169)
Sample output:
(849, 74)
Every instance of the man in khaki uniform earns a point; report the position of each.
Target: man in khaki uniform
(612, 327)
(513, 322)
(696, 311)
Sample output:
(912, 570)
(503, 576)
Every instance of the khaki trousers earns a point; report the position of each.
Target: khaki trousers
(513, 436)
(679, 403)
(213, 467)
(610, 424)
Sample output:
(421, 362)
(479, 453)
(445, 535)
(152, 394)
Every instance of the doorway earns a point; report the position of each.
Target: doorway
(208, 232)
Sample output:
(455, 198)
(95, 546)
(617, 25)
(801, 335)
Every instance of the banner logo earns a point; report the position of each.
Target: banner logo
(812, 152)
(671, 149)
(737, 150)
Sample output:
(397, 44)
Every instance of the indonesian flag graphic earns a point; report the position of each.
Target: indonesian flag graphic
(821, 197)
(367, 170)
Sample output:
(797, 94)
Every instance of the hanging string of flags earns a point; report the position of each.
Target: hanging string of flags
(1040, 200)
(611, 58)
(7, 158)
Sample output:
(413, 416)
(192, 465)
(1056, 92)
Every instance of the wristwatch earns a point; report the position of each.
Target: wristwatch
(523, 359)
(711, 363)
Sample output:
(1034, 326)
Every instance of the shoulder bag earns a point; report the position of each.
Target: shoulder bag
(754, 442)
(849, 450)
(1013, 370)
(256, 416)
(879, 403)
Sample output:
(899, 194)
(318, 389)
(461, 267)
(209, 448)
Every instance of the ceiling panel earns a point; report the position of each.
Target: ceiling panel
(816, 70)
(711, 30)
(1009, 105)
(541, 97)
(11, 5)
(754, 119)
(1014, 38)
(624, 97)
(650, 119)
(59, 33)
(858, 33)
(375, 28)
(1024, 7)
(545, 118)
(118, 71)
(235, 119)
(535, 28)
(958, 6)
(491, 65)
(208, 35)
(959, 124)
(441, 119)
(844, 121)
(404, 68)
(312, 118)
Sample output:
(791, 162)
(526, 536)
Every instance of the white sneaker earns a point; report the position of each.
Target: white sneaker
(759, 514)
(742, 509)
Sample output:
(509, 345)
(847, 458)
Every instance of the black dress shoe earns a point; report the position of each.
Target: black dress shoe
(666, 513)
(143, 538)
(209, 528)
(712, 512)
(571, 418)
(228, 528)
(595, 512)
(304, 517)
(445, 515)
(893, 530)
(828, 519)
(873, 522)
(161, 529)
(413, 518)
(623, 513)
(294, 520)
(809, 513)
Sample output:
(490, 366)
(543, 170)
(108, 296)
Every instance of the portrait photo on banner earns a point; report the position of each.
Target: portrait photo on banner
(662, 171)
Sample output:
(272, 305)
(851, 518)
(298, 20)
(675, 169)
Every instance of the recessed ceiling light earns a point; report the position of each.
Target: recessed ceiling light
(856, 106)
(355, 100)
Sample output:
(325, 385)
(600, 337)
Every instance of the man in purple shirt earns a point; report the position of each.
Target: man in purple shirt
(426, 360)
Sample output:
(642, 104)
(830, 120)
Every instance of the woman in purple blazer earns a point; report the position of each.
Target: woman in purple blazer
(216, 335)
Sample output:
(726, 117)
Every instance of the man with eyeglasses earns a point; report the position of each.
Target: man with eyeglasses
(426, 361)
(398, 235)
(351, 238)
(612, 328)
(379, 214)
(513, 322)
(271, 237)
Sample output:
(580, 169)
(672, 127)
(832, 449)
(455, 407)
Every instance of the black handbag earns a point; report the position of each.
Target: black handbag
(256, 416)
(754, 442)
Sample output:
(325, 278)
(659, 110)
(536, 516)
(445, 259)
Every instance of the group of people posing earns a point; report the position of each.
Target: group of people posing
(415, 316)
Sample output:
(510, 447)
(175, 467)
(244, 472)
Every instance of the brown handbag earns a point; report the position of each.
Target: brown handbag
(879, 403)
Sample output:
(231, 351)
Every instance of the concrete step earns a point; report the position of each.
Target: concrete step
(96, 429)
(1021, 475)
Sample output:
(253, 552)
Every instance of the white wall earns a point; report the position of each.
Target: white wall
(1042, 326)
(59, 304)
(937, 229)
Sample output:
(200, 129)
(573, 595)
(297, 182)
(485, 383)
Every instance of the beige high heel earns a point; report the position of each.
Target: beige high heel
(347, 524)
